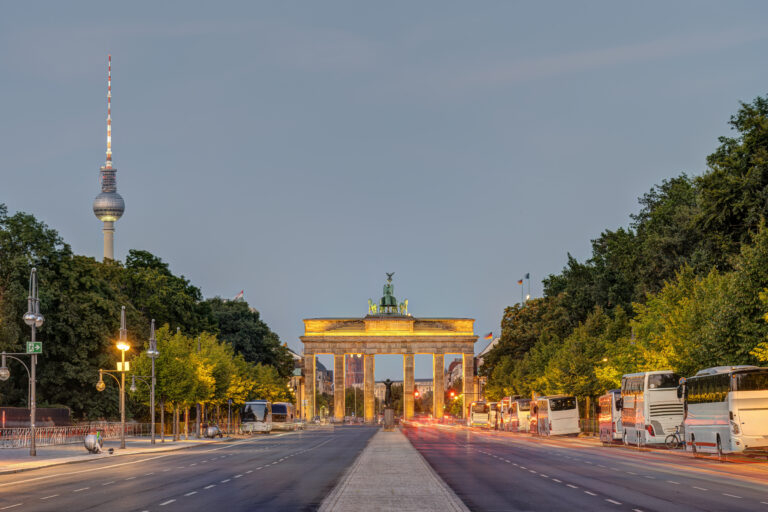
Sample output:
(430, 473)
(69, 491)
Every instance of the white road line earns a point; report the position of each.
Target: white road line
(673, 482)
(11, 506)
(731, 495)
(649, 476)
(249, 471)
(613, 501)
(590, 493)
(523, 467)
(147, 474)
(130, 478)
(700, 488)
(630, 473)
(572, 486)
(636, 510)
(191, 493)
(166, 503)
(108, 483)
(505, 460)
(225, 481)
(81, 489)
(600, 465)
(48, 497)
(237, 476)
(588, 462)
(532, 471)
(209, 486)
(193, 464)
(259, 467)
(166, 470)
(556, 480)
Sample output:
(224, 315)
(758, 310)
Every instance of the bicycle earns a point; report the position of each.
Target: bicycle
(675, 440)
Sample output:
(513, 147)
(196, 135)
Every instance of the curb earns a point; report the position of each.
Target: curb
(82, 458)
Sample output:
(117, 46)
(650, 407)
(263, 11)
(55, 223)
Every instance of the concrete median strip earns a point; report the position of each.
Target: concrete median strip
(390, 474)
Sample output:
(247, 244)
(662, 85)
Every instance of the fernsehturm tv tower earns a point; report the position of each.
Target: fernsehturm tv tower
(109, 205)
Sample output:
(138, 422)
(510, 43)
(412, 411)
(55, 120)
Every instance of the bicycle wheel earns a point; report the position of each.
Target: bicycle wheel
(671, 441)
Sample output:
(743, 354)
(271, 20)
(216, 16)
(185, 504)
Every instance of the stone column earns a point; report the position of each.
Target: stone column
(468, 372)
(338, 387)
(409, 384)
(368, 384)
(438, 385)
(310, 382)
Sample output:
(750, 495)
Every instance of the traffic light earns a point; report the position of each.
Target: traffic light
(416, 394)
(453, 394)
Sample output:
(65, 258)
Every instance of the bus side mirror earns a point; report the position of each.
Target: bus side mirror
(619, 404)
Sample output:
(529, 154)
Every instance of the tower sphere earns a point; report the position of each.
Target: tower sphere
(108, 206)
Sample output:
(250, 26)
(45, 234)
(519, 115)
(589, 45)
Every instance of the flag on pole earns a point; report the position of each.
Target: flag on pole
(520, 281)
(488, 336)
(527, 276)
(239, 296)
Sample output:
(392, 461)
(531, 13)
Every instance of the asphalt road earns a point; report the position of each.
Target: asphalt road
(290, 471)
(503, 471)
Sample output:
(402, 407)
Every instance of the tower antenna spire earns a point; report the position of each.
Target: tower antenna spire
(108, 163)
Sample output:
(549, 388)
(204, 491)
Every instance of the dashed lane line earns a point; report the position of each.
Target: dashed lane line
(166, 503)
(49, 497)
(613, 501)
(572, 486)
(225, 480)
(209, 486)
(191, 493)
(81, 489)
(590, 493)
(11, 506)
(731, 495)
(108, 483)
(700, 488)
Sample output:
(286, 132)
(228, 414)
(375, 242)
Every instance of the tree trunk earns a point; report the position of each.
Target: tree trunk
(162, 421)
(186, 423)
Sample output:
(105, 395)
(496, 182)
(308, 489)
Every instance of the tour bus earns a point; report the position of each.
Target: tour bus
(478, 414)
(726, 410)
(520, 415)
(256, 416)
(283, 416)
(557, 415)
(610, 417)
(650, 407)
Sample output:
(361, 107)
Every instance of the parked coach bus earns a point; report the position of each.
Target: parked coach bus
(283, 417)
(610, 417)
(557, 415)
(256, 416)
(520, 415)
(727, 410)
(478, 414)
(650, 407)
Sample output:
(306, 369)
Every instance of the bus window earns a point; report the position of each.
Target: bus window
(525, 405)
(480, 408)
(662, 381)
(563, 404)
(752, 381)
(254, 412)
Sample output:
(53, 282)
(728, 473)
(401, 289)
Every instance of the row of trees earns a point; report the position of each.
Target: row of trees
(684, 286)
(81, 299)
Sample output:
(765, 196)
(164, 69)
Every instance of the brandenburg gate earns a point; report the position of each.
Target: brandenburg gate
(388, 328)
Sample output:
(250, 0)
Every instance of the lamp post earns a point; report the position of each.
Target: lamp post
(122, 368)
(146, 379)
(152, 353)
(33, 319)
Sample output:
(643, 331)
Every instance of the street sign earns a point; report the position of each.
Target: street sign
(34, 347)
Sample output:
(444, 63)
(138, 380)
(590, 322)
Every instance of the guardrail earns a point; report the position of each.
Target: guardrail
(51, 436)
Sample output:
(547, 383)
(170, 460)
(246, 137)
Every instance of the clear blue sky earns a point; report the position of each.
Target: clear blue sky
(300, 150)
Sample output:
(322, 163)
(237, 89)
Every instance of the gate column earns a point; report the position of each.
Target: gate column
(409, 384)
(438, 385)
(468, 370)
(338, 387)
(368, 383)
(310, 381)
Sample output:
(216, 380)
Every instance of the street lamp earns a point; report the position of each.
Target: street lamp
(33, 319)
(133, 389)
(153, 353)
(122, 368)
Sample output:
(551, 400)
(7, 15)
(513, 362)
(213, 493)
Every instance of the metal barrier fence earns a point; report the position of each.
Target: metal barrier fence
(51, 436)
(589, 426)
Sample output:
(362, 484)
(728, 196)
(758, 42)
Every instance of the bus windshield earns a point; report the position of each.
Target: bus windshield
(751, 381)
(279, 409)
(524, 405)
(562, 404)
(663, 380)
(254, 412)
(480, 408)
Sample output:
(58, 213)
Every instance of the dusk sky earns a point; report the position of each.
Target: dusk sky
(299, 151)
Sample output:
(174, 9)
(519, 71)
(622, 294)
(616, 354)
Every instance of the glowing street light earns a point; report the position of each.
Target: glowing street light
(122, 368)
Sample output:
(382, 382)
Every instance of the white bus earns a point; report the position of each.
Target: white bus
(520, 415)
(256, 416)
(283, 417)
(650, 407)
(557, 415)
(610, 417)
(727, 410)
(478, 414)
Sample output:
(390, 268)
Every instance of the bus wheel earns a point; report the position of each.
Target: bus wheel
(720, 454)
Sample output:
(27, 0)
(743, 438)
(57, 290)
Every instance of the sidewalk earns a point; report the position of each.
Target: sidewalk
(390, 474)
(14, 460)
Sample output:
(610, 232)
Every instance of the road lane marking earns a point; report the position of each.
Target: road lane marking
(673, 482)
(556, 480)
(636, 510)
(48, 497)
(81, 489)
(532, 471)
(590, 493)
(731, 495)
(545, 476)
(249, 471)
(572, 486)
(191, 493)
(630, 473)
(11, 506)
(193, 464)
(166, 470)
(523, 467)
(108, 483)
(130, 478)
(600, 465)
(613, 501)
(166, 503)
(237, 476)
(209, 486)
(649, 476)
(147, 474)
(700, 488)
(225, 481)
